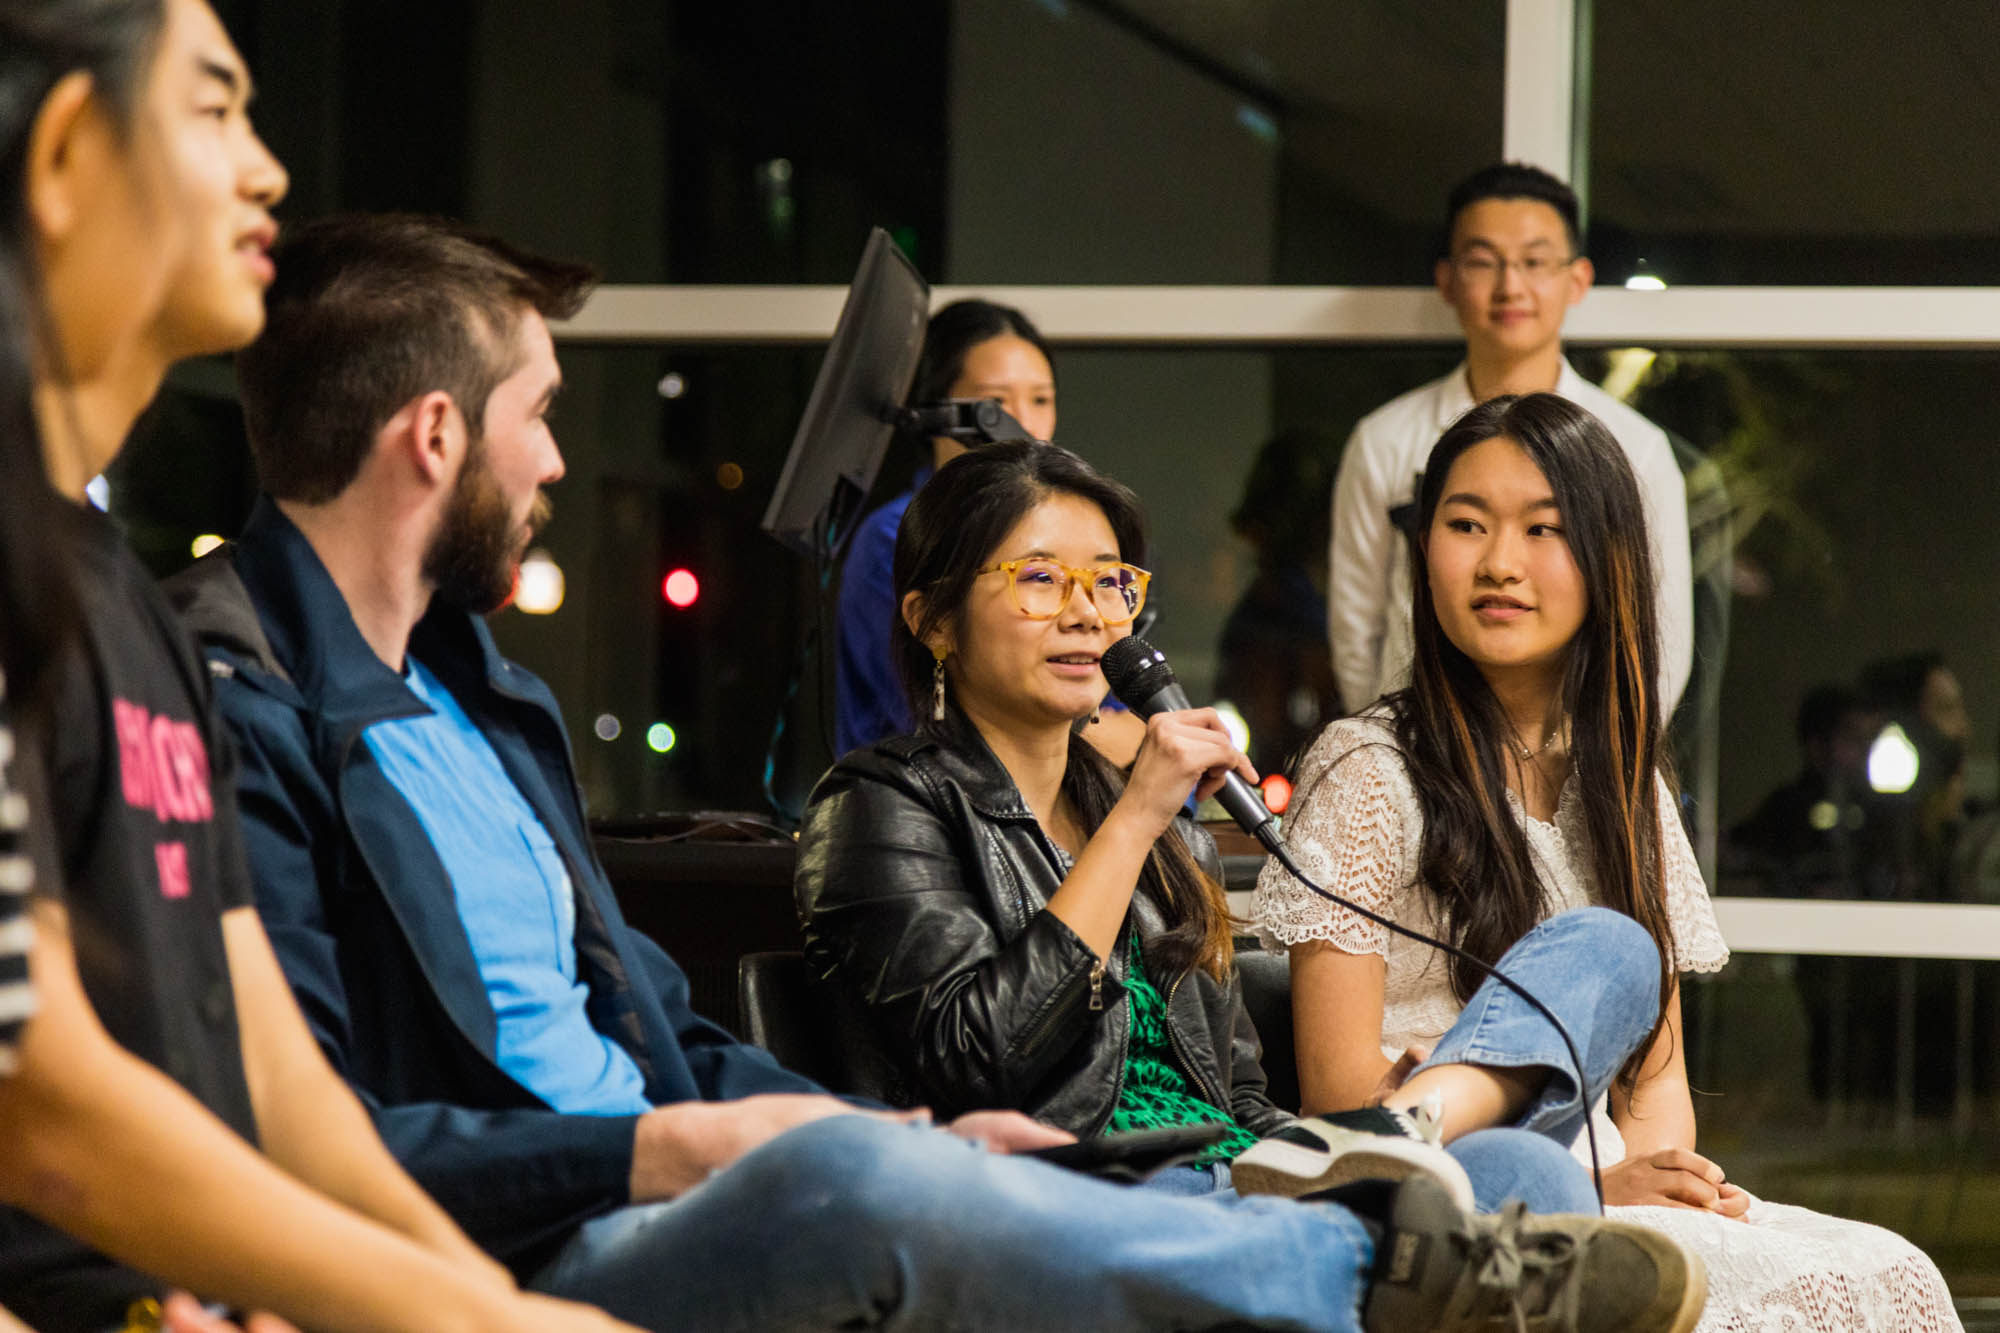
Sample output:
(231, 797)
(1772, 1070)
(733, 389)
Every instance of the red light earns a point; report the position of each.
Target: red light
(1277, 793)
(681, 588)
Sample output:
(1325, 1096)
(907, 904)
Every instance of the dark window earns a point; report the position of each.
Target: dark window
(1836, 143)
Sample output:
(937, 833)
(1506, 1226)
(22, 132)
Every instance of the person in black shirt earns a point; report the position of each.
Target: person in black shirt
(135, 234)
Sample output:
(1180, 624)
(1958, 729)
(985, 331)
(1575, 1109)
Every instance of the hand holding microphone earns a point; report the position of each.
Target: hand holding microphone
(1182, 751)
(1139, 675)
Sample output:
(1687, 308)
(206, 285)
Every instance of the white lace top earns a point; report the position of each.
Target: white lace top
(1355, 827)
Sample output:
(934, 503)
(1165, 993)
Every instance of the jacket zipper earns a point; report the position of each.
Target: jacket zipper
(1035, 1035)
(1188, 1070)
(1118, 1071)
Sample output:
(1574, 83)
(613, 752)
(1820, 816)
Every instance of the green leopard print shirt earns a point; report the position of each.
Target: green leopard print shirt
(1156, 1094)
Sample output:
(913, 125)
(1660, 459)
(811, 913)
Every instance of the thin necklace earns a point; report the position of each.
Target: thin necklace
(1528, 755)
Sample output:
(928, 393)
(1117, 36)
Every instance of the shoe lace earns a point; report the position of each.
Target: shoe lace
(1426, 1119)
(1423, 1122)
(1508, 1263)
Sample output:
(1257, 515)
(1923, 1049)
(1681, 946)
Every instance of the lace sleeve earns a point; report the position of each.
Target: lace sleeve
(1698, 944)
(1346, 830)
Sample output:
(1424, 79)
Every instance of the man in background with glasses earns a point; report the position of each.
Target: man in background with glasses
(1512, 266)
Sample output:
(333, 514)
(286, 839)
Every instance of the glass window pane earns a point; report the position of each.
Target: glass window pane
(1823, 144)
(1850, 478)
(645, 494)
(1169, 142)
(1857, 583)
(1001, 141)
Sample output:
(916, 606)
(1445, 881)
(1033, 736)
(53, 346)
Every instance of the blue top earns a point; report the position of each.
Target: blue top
(868, 695)
(521, 921)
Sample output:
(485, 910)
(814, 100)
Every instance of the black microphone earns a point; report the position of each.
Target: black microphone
(1139, 675)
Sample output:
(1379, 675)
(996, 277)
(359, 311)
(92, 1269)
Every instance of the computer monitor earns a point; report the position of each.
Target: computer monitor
(861, 386)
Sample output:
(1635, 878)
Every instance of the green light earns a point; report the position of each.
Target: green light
(661, 737)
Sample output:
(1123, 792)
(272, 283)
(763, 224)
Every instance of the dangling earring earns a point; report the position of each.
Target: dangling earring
(937, 686)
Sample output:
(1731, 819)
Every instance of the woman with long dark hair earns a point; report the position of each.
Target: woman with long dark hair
(1515, 800)
(1027, 927)
(134, 201)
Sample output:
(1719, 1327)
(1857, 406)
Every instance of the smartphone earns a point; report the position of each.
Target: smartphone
(1133, 1156)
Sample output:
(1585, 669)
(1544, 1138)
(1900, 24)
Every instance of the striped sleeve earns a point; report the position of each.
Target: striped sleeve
(17, 877)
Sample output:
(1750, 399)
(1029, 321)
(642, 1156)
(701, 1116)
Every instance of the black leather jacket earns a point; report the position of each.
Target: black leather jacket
(922, 883)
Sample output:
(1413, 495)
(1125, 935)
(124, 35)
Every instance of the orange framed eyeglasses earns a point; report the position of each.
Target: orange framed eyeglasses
(1041, 587)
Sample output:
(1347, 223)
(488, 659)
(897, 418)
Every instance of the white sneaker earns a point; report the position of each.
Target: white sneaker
(1373, 1143)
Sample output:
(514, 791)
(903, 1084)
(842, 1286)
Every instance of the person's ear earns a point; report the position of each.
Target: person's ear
(70, 148)
(1582, 274)
(913, 616)
(1442, 274)
(429, 433)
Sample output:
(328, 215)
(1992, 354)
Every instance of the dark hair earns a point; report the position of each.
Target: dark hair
(950, 337)
(958, 328)
(370, 311)
(950, 530)
(1512, 180)
(1455, 736)
(41, 42)
(1895, 685)
(1822, 711)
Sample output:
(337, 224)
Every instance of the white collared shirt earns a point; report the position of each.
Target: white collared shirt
(1368, 576)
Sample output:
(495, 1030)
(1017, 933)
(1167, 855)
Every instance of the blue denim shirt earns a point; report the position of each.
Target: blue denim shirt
(521, 920)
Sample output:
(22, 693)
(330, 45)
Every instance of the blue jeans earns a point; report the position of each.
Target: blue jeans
(1506, 1164)
(849, 1222)
(1598, 971)
(1190, 1182)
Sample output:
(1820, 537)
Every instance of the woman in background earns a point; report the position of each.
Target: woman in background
(972, 349)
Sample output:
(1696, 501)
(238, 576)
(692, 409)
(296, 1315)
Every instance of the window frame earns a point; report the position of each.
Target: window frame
(1545, 87)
